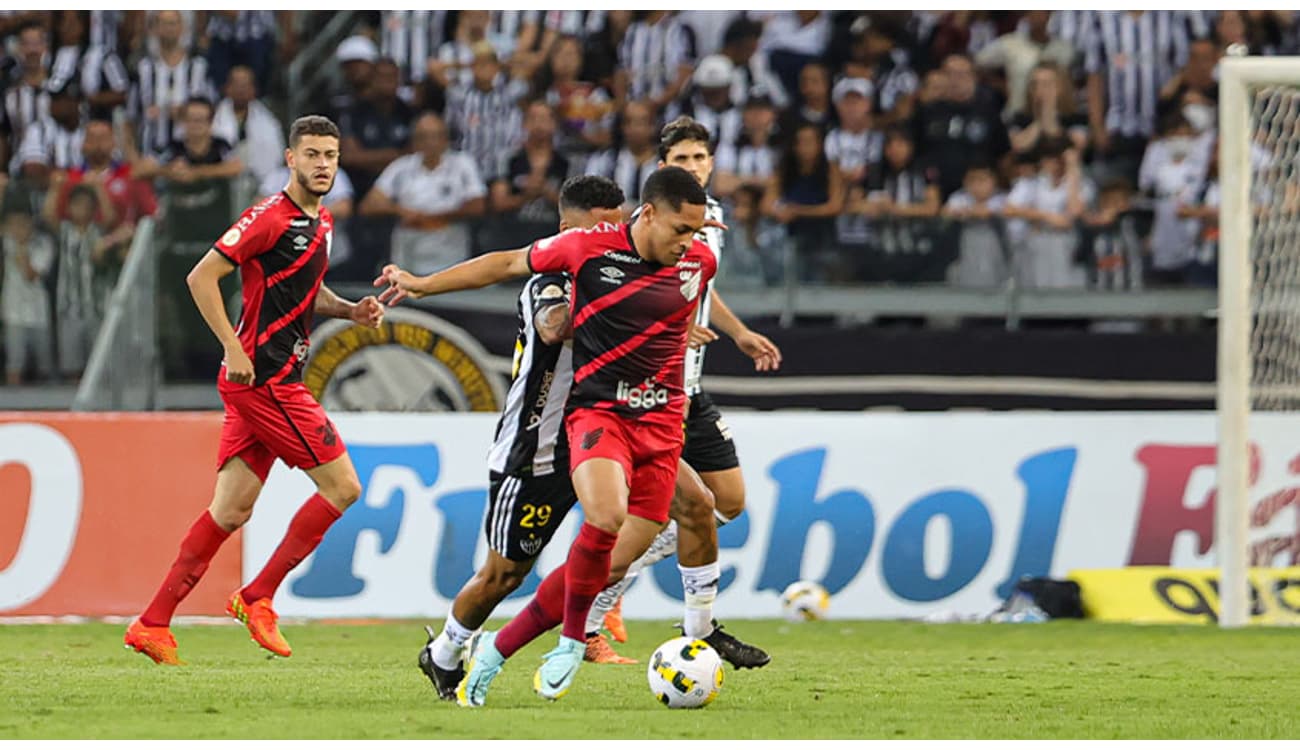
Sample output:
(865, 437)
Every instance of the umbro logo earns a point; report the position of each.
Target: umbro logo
(592, 437)
(612, 275)
(300, 242)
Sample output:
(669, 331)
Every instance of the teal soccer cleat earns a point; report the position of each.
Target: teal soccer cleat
(485, 664)
(554, 678)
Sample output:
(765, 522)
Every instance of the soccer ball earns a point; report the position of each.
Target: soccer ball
(805, 600)
(685, 673)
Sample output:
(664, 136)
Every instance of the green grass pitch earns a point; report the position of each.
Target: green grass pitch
(833, 679)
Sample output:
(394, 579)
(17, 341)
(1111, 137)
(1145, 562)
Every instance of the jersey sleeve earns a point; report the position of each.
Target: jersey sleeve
(547, 290)
(254, 234)
(560, 253)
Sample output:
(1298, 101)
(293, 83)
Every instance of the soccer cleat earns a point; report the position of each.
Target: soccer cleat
(485, 664)
(600, 652)
(157, 643)
(444, 680)
(614, 622)
(261, 621)
(553, 679)
(739, 654)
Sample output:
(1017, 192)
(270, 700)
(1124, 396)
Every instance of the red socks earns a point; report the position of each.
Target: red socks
(197, 549)
(586, 572)
(305, 531)
(545, 611)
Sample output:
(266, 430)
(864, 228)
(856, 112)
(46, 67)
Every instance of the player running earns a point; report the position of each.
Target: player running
(709, 447)
(635, 289)
(281, 247)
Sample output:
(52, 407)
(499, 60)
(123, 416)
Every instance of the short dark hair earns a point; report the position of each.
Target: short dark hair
(673, 186)
(682, 129)
(82, 190)
(201, 100)
(740, 30)
(589, 192)
(312, 125)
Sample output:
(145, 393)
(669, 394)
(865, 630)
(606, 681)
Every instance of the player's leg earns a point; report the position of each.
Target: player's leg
(523, 513)
(243, 464)
(289, 421)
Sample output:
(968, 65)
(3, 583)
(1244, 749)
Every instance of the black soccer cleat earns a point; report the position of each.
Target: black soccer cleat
(739, 654)
(444, 680)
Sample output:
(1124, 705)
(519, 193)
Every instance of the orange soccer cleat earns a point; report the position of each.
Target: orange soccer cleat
(600, 652)
(261, 621)
(157, 643)
(614, 622)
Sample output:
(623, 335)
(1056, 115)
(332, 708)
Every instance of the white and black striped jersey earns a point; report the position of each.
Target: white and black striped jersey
(724, 126)
(487, 125)
(165, 87)
(24, 105)
(747, 161)
(579, 23)
(49, 143)
(530, 438)
(1136, 54)
(624, 169)
(249, 24)
(651, 54)
(510, 23)
(411, 37)
(94, 68)
(103, 28)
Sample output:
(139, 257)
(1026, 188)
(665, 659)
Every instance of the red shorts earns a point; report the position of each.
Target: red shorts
(282, 421)
(647, 451)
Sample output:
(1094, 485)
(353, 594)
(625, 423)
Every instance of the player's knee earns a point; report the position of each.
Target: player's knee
(693, 507)
(730, 502)
(502, 581)
(230, 518)
(342, 491)
(609, 520)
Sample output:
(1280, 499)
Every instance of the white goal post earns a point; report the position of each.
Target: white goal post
(1259, 309)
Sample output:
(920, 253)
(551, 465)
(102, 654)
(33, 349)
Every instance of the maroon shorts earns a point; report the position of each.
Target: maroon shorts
(647, 451)
(282, 421)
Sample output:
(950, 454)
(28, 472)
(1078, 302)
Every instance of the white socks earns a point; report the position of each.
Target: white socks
(701, 587)
(449, 644)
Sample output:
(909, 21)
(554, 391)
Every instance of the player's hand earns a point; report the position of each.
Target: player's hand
(699, 336)
(400, 285)
(368, 312)
(714, 224)
(239, 368)
(760, 348)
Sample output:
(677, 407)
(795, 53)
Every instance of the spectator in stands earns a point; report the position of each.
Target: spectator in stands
(53, 142)
(433, 192)
(1130, 57)
(26, 99)
(710, 102)
(962, 32)
(125, 198)
(1173, 168)
(962, 128)
(709, 27)
(740, 45)
(1113, 240)
(584, 110)
(1050, 204)
(876, 53)
(357, 56)
(981, 255)
(583, 25)
(752, 160)
(530, 185)
(410, 38)
(897, 194)
(1195, 90)
(243, 121)
(1201, 204)
(24, 302)
(754, 242)
(601, 48)
(657, 57)
(246, 37)
(86, 274)
(199, 156)
(377, 130)
(1050, 114)
(806, 194)
(793, 39)
(100, 73)
(815, 97)
(455, 62)
(167, 77)
(630, 165)
(852, 147)
(1017, 55)
(484, 116)
(1235, 27)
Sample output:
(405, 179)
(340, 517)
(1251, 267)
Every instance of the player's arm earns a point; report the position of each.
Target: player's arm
(552, 315)
(766, 355)
(476, 273)
(225, 170)
(367, 312)
(204, 280)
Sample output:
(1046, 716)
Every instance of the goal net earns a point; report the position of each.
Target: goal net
(1259, 335)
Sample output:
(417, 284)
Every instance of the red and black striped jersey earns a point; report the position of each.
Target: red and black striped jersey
(631, 317)
(282, 253)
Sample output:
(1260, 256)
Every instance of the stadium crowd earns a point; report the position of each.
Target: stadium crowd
(1059, 148)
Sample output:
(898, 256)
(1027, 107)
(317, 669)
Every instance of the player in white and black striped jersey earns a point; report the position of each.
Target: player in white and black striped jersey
(709, 449)
(529, 488)
(164, 81)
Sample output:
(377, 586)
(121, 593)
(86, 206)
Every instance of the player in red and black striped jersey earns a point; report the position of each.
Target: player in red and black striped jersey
(635, 290)
(281, 247)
